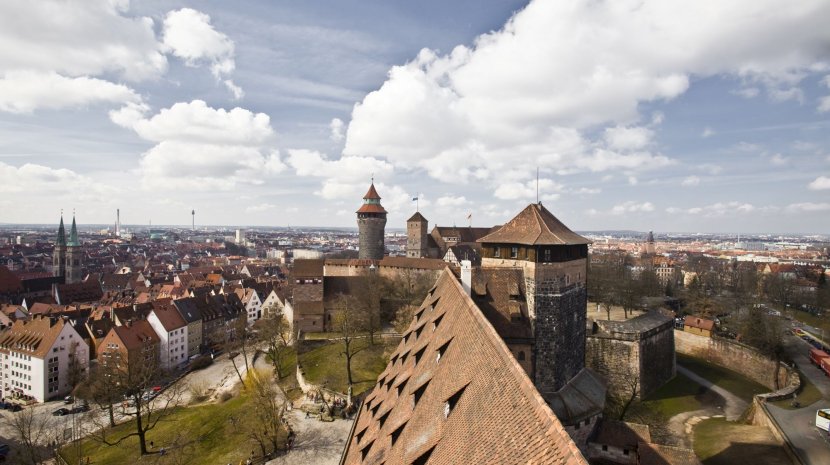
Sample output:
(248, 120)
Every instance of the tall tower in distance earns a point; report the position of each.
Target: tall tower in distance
(74, 255)
(59, 254)
(117, 222)
(193, 214)
(416, 236)
(649, 249)
(371, 222)
(554, 262)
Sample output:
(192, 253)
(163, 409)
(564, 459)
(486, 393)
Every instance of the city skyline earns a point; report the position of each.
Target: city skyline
(638, 115)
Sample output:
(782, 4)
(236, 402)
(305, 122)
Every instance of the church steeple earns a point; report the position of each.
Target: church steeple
(73, 234)
(61, 233)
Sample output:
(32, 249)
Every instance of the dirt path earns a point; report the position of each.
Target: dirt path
(318, 442)
(735, 406)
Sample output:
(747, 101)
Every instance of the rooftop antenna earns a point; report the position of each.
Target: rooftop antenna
(193, 214)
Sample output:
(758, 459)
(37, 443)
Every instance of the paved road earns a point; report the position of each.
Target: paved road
(805, 438)
(735, 406)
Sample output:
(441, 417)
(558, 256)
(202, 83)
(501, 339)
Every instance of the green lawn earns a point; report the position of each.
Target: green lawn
(214, 432)
(733, 382)
(326, 365)
(677, 396)
(808, 395)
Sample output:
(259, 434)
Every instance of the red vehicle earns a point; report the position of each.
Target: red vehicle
(825, 366)
(816, 356)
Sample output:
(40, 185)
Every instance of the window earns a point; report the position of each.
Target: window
(437, 322)
(514, 252)
(382, 419)
(521, 356)
(419, 354)
(496, 252)
(625, 451)
(605, 448)
(547, 255)
(424, 458)
(397, 433)
(450, 404)
(416, 396)
(440, 351)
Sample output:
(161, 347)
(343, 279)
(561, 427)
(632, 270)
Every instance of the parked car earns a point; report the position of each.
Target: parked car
(61, 412)
(80, 408)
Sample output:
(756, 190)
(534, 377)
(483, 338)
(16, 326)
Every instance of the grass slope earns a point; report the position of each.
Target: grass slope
(215, 428)
(327, 365)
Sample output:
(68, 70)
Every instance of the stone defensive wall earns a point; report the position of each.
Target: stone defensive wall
(734, 356)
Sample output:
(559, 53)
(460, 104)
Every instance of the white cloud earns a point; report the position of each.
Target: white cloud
(779, 160)
(716, 209)
(260, 208)
(197, 122)
(747, 147)
(747, 92)
(707, 132)
(79, 38)
(824, 104)
(451, 201)
(710, 168)
(807, 207)
(690, 181)
(25, 91)
(336, 126)
(58, 184)
(189, 35)
(632, 207)
(527, 190)
(569, 68)
(820, 183)
(633, 181)
(628, 138)
(202, 148)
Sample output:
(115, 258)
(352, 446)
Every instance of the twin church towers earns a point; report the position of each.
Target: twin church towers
(67, 258)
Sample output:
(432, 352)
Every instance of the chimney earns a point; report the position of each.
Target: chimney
(467, 275)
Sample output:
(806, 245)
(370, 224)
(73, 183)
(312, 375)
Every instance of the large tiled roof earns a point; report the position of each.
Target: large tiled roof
(452, 393)
(372, 193)
(534, 225)
(85, 291)
(136, 334)
(168, 315)
(33, 337)
(417, 217)
(8, 281)
(371, 208)
(308, 268)
(501, 296)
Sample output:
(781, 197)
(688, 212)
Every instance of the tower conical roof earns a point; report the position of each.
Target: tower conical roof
(73, 235)
(535, 225)
(371, 202)
(61, 233)
(372, 193)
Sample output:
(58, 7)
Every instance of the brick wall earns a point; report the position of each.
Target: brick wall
(559, 352)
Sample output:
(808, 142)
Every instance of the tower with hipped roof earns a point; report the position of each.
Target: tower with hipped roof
(371, 224)
(554, 263)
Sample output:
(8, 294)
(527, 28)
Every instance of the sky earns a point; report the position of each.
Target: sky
(663, 115)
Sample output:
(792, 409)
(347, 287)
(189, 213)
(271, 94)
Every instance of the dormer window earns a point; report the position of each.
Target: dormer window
(514, 252)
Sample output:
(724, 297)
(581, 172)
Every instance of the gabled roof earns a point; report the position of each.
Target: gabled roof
(534, 225)
(473, 404)
(168, 315)
(697, 322)
(136, 334)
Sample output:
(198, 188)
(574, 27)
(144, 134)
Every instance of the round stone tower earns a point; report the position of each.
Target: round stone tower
(371, 221)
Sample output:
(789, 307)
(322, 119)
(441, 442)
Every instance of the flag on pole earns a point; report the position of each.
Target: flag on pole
(414, 199)
(470, 216)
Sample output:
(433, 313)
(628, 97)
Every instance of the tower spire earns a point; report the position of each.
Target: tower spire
(73, 233)
(61, 232)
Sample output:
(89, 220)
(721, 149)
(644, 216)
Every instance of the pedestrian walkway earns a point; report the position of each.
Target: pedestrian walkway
(735, 406)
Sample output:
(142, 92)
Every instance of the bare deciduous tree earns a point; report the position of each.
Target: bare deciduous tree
(275, 331)
(35, 432)
(350, 323)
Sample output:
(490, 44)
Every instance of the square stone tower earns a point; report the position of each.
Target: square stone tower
(416, 236)
(554, 261)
